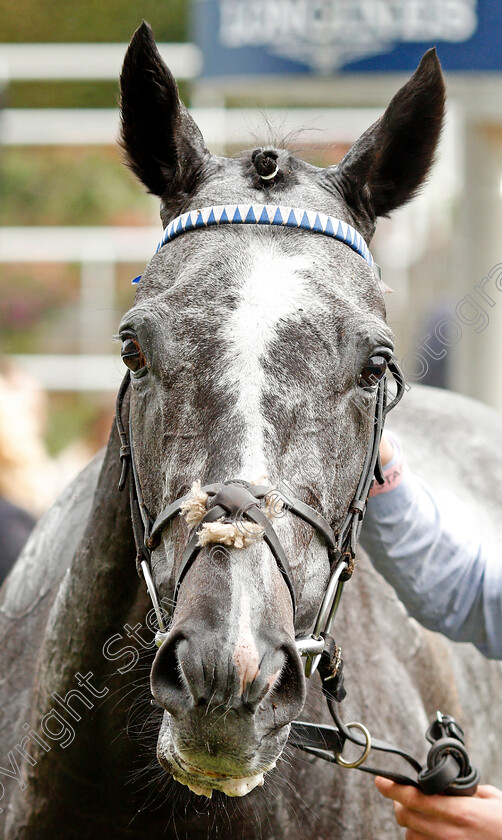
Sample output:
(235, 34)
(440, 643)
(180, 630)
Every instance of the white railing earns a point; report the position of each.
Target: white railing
(97, 250)
(220, 127)
(72, 372)
(22, 62)
(78, 244)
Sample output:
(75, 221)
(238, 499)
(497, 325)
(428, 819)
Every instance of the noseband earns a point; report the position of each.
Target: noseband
(236, 501)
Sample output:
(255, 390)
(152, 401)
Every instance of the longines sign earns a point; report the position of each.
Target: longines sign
(241, 37)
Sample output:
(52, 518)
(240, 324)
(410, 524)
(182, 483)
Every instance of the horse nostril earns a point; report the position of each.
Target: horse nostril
(168, 684)
(187, 674)
(289, 690)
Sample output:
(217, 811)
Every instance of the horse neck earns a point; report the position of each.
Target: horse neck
(99, 594)
(101, 587)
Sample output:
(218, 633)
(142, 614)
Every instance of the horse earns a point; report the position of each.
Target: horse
(248, 349)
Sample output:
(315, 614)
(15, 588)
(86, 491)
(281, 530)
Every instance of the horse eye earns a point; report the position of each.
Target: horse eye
(132, 355)
(372, 372)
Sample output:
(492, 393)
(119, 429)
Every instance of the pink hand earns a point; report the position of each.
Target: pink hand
(476, 817)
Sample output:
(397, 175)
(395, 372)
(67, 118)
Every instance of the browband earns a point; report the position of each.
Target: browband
(272, 215)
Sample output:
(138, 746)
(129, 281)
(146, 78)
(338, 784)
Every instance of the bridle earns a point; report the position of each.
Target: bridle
(237, 501)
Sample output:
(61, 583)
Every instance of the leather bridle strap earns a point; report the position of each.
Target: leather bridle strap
(348, 535)
(312, 517)
(351, 528)
(126, 460)
(270, 215)
(163, 520)
(235, 502)
(125, 449)
(273, 542)
(447, 770)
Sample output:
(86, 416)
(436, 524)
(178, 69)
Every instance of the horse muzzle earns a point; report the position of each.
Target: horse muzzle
(227, 715)
(203, 781)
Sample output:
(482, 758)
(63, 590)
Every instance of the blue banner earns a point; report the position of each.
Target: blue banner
(323, 37)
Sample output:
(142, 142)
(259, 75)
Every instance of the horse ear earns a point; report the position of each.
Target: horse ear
(163, 145)
(391, 160)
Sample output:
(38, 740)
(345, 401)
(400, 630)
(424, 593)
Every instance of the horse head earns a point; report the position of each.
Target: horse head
(254, 354)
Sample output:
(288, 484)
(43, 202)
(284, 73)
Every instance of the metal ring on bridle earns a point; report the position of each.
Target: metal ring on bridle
(326, 614)
(367, 749)
(145, 568)
(272, 174)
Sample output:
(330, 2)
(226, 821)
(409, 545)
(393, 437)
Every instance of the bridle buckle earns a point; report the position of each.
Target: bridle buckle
(358, 506)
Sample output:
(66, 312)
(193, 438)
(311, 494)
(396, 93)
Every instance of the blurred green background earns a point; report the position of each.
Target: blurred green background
(68, 185)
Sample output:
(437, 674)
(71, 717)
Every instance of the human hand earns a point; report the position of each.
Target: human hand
(386, 450)
(477, 817)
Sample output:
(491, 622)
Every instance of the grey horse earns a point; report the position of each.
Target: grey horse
(246, 347)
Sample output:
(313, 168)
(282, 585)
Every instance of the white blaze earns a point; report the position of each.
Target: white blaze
(273, 289)
(246, 656)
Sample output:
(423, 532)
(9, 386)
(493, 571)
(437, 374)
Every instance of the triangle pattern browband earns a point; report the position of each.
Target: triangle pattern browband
(272, 215)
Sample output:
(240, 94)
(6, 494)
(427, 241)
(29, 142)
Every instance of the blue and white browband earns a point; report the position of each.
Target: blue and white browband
(268, 214)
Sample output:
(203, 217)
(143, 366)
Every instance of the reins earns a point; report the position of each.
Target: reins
(448, 768)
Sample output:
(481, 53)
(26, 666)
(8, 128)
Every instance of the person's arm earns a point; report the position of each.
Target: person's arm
(447, 584)
(405, 537)
(477, 817)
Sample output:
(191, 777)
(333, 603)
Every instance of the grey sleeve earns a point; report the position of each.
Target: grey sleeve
(450, 586)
